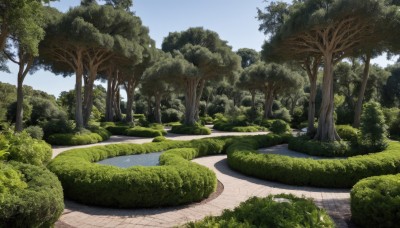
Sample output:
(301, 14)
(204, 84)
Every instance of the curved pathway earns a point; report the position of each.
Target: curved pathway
(237, 188)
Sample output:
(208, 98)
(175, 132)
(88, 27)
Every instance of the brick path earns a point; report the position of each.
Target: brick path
(237, 188)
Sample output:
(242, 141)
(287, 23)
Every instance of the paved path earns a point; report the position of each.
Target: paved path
(237, 188)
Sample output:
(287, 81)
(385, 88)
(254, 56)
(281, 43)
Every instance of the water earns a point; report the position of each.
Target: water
(151, 159)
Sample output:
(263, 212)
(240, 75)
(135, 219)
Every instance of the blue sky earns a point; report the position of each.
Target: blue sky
(233, 20)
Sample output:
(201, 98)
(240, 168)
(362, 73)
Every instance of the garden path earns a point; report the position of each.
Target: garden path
(237, 188)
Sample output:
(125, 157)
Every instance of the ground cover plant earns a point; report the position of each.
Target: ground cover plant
(375, 201)
(272, 211)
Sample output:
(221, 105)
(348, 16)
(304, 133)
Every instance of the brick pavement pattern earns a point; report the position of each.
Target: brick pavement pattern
(237, 188)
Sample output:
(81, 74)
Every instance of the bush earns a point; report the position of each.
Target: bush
(347, 132)
(333, 173)
(55, 126)
(279, 127)
(159, 139)
(100, 131)
(375, 201)
(246, 129)
(171, 115)
(30, 196)
(25, 149)
(283, 114)
(35, 132)
(373, 128)
(145, 132)
(176, 181)
(79, 138)
(118, 130)
(272, 211)
(191, 130)
(304, 144)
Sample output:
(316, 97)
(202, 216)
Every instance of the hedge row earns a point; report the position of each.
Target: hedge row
(68, 139)
(145, 132)
(273, 211)
(30, 196)
(191, 130)
(176, 181)
(334, 173)
(223, 126)
(375, 201)
(304, 144)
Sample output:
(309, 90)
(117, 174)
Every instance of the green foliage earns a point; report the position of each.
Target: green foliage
(305, 145)
(159, 139)
(145, 132)
(333, 173)
(191, 130)
(100, 131)
(54, 126)
(79, 138)
(171, 115)
(272, 211)
(375, 201)
(176, 181)
(35, 132)
(347, 132)
(30, 196)
(246, 129)
(23, 148)
(118, 130)
(283, 114)
(373, 127)
(279, 127)
(12, 111)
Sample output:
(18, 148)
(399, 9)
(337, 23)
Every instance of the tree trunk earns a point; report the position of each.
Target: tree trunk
(253, 99)
(78, 98)
(198, 98)
(20, 102)
(311, 67)
(326, 127)
(190, 101)
(157, 108)
(268, 102)
(358, 107)
(109, 115)
(117, 105)
(130, 92)
(88, 98)
(3, 35)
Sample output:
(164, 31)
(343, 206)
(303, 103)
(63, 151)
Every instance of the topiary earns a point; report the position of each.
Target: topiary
(373, 128)
(279, 127)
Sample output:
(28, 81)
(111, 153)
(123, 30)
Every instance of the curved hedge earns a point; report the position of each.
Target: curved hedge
(375, 201)
(272, 211)
(176, 181)
(145, 132)
(190, 130)
(334, 173)
(304, 144)
(30, 196)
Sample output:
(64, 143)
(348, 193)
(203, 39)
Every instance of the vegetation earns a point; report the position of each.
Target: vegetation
(375, 201)
(272, 211)
(191, 130)
(145, 132)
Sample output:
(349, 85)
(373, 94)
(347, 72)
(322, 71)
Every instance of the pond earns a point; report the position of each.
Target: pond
(151, 159)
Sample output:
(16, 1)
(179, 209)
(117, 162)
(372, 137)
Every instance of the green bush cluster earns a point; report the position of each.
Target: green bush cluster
(100, 131)
(30, 196)
(191, 130)
(373, 128)
(375, 201)
(74, 138)
(118, 130)
(305, 145)
(145, 132)
(35, 132)
(347, 132)
(334, 173)
(222, 126)
(272, 211)
(176, 181)
(279, 127)
(159, 139)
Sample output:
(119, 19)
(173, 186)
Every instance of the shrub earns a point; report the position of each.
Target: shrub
(57, 126)
(25, 149)
(305, 145)
(176, 181)
(283, 114)
(118, 130)
(279, 127)
(246, 129)
(272, 211)
(347, 132)
(334, 173)
(159, 139)
(74, 139)
(100, 131)
(191, 130)
(30, 196)
(373, 127)
(35, 132)
(207, 119)
(145, 132)
(375, 201)
(171, 115)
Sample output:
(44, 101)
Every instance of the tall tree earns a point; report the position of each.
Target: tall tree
(210, 55)
(249, 56)
(331, 29)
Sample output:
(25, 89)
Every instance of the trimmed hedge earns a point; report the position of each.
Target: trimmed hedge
(74, 139)
(145, 132)
(118, 130)
(347, 132)
(304, 144)
(222, 126)
(190, 130)
(159, 139)
(30, 196)
(375, 201)
(272, 211)
(332, 173)
(176, 181)
(279, 127)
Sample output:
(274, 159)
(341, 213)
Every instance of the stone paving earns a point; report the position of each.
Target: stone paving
(237, 188)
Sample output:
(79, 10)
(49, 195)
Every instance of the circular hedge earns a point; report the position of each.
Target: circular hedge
(375, 201)
(176, 181)
(333, 173)
(30, 196)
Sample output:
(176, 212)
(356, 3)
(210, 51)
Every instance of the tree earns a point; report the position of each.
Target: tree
(211, 58)
(249, 56)
(333, 30)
